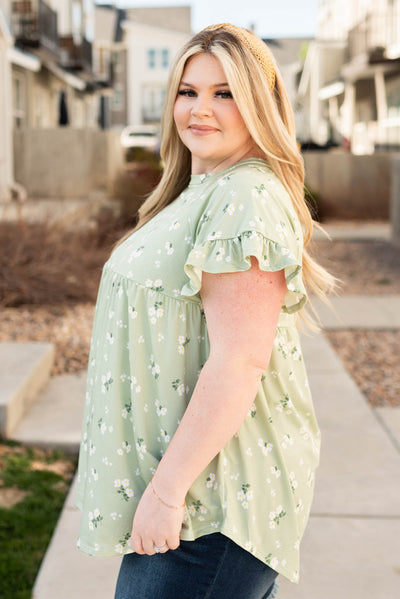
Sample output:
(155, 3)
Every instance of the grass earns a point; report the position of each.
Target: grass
(33, 487)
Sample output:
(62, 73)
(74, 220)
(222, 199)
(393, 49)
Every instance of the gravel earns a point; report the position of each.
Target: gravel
(364, 267)
(370, 268)
(69, 327)
(371, 358)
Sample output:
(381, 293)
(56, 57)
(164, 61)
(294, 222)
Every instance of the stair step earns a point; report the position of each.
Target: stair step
(55, 419)
(24, 371)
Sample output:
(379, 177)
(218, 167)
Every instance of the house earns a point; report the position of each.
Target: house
(290, 54)
(109, 63)
(50, 101)
(350, 87)
(52, 79)
(320, 94)
(133, 48)
(152, 37)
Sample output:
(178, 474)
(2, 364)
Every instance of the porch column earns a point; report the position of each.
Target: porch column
(348, 109)
(381, 104)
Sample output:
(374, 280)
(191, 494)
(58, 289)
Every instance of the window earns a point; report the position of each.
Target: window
(151, 58)
(152, 102)
(165, 58)
(19, 97)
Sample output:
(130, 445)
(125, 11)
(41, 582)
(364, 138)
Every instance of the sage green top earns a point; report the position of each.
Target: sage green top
(149, 344)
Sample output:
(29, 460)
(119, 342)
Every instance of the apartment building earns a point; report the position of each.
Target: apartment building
(137, 46)
(109, 63)
(290, 54)
(52, 77)
(153, 36)
(350, 88)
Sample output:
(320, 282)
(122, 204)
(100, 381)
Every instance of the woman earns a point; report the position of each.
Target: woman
(199, 441)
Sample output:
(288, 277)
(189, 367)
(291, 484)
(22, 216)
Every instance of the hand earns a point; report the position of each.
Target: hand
(155, 524)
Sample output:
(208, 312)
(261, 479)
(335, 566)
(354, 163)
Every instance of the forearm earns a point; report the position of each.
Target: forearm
(221, 399)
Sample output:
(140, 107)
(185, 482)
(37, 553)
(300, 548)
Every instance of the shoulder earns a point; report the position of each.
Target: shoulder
(251, 187)
(252, 178)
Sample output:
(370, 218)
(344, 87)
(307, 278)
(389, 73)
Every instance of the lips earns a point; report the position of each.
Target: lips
(202, 129)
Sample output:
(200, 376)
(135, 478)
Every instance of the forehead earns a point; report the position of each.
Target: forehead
(204, 66)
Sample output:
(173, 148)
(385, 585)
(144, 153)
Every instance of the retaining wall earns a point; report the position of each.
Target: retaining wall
(349, 186)
(66, 163)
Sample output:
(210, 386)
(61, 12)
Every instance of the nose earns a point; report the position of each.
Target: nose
(202, 106)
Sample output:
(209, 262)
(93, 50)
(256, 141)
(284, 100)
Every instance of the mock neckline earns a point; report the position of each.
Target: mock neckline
(203, 177)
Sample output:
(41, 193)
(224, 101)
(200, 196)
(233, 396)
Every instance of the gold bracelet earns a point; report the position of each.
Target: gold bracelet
(175, 507)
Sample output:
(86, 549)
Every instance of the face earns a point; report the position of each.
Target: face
(207, 118)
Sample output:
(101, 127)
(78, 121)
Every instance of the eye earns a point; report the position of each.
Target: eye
(188, 93)
(225, 95)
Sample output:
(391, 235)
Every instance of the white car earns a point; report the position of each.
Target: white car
(140, 136)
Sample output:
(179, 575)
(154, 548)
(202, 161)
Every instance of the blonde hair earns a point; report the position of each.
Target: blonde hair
(268, 117)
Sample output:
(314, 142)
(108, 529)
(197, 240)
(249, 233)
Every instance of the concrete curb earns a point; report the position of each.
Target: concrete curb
(55, 419)
(24, 371)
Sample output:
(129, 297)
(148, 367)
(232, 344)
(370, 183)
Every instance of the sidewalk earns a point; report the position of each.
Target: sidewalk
(351, 547)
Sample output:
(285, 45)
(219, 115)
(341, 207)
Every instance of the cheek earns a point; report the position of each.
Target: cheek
(179, 113)
(236, 122)
(241, 128)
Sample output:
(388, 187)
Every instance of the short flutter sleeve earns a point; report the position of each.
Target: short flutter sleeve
(248, 213)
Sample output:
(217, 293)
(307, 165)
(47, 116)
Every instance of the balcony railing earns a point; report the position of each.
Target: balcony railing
(76, 56)
(374, 35)
(34, 24)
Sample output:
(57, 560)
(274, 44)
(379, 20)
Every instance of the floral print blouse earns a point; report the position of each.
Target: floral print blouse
(149, 344)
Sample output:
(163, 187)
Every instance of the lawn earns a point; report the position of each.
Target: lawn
(33, 487)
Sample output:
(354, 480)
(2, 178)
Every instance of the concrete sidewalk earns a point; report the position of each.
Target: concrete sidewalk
(351, 547)
(360, 312)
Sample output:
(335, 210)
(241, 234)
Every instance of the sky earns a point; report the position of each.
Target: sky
(271, 18)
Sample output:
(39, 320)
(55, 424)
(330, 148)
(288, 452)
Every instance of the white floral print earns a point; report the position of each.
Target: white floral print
(149, 345)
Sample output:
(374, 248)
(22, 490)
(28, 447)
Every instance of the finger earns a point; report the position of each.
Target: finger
(173, 543)
(136, 544)
(162, 544)
(148, 546)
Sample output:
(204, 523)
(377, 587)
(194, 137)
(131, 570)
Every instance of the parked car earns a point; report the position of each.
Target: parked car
(140, 136)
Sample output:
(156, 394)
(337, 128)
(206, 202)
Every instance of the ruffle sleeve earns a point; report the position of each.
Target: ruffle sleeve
(248, 218)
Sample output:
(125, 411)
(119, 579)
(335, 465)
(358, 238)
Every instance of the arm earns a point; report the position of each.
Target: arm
(242, 311)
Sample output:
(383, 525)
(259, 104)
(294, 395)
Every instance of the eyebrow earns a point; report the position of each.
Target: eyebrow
(216, 85)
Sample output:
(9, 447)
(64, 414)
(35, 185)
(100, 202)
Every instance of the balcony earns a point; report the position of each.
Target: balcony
(376, 36)
(76, 57)
(34, 25)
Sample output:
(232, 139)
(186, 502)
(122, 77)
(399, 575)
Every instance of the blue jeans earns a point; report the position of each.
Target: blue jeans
(211, 567)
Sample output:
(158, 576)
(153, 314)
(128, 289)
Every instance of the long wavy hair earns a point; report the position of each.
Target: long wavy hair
(269, 119)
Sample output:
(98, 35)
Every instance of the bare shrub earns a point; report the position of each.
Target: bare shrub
(133, 185)
(47, 264)
(41, 264)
